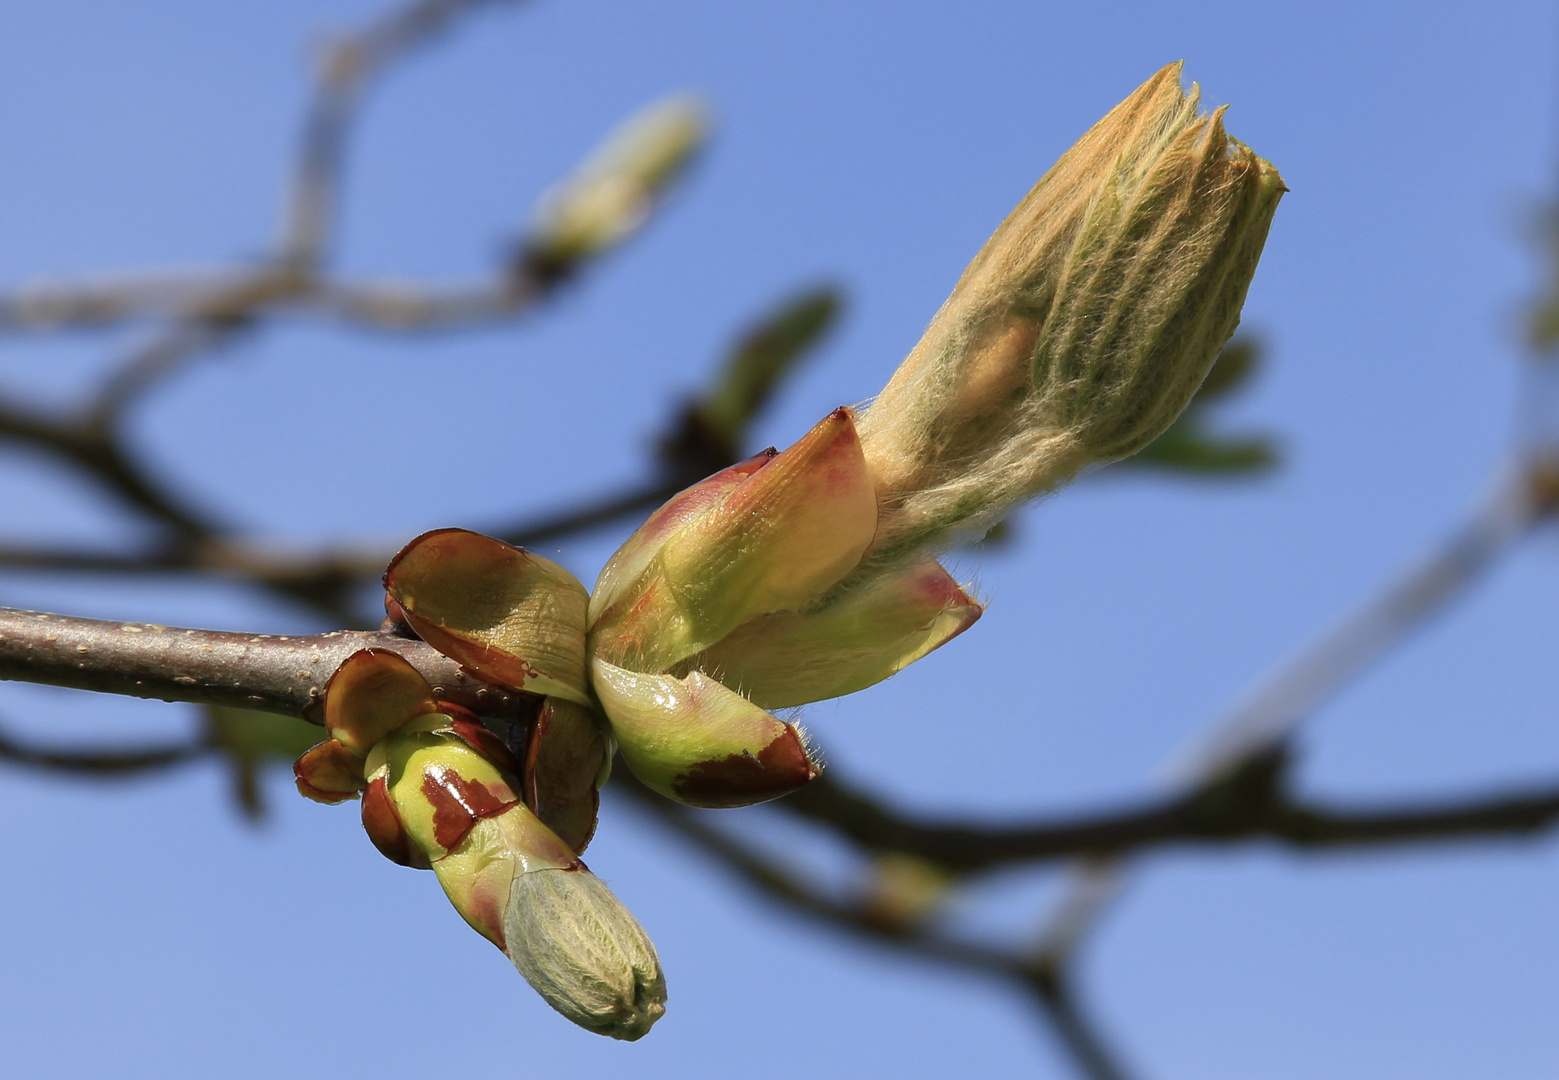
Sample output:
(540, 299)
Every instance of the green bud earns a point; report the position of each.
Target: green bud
(772, 534)
(869, 633)
(696, 740)
(1084, 325)
(612, 193)
(582, 951)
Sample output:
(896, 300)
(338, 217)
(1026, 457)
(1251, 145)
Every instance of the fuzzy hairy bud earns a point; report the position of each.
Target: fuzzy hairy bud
(582, 951)
(1084, 325)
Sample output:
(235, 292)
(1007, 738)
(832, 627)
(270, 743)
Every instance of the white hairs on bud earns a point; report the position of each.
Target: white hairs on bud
(1081, 329)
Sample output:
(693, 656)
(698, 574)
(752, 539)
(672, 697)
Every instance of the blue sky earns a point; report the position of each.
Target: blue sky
(150, 932)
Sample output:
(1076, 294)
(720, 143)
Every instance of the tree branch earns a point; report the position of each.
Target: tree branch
(264, 672)
(783, 885)
(1204, 817)
(99, 762)
(350, 64)
(1265, 720)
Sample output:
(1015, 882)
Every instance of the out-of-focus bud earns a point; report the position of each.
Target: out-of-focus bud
(715, 425)
(612, 193)
(509, 617)
(584, 952)
(903, 891)
(1083, 326)
(699, 742)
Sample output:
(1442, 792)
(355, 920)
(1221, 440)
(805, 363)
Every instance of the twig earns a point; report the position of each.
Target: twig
(105, 461)
(778, 883)
(350, 64)
(148, 366)
(99, 762)
(264, 672)
(1081, 1040)
(1204, 817)
(1269, 714)
(783, 884)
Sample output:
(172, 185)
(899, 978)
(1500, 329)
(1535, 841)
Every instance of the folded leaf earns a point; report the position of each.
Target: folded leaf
(567, 755)
(620, 576)
(696, 741)
(782, 538)
(787, 658)
(507, 616)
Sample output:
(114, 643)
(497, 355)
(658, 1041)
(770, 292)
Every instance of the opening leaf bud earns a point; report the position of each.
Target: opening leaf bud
(582, 951)
(1083, 326)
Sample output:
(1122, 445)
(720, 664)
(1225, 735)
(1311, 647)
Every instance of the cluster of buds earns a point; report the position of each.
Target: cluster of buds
(1077, 335)
(441, 791)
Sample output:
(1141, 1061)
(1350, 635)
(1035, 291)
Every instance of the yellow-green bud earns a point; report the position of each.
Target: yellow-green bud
(581, 950)
(612, 193)
(1084, 325)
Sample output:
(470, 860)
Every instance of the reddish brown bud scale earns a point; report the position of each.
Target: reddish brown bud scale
(329, 773)
(744, 779)
(508, 616)
(459, 803)
(372, 693)
(476, 735)
(566, 755)
(383, 825)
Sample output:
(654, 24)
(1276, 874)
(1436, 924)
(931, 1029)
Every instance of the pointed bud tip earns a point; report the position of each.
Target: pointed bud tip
(745, 779)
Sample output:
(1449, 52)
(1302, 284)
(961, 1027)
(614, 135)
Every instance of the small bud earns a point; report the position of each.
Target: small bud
(612, 193)
(699, 742)
(439, 789)
(1083, 326)
(582, 951)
